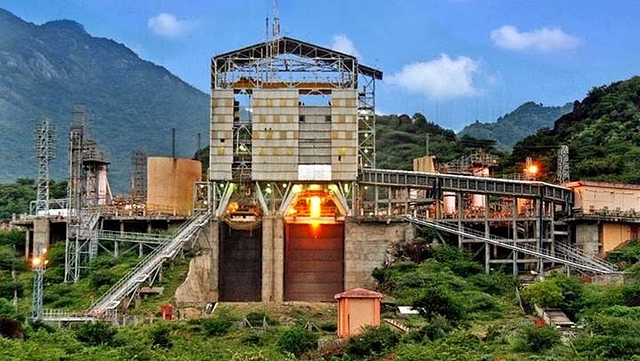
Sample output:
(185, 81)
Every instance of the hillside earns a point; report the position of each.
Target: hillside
(131, 104)
(602, 133)
(400, 139)
(512, 127)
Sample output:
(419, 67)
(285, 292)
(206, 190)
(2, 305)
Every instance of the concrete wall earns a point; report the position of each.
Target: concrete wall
(614, 234)
(275, 134)
(587, 238)
(221, 142)
(366, 247)
(344, 134)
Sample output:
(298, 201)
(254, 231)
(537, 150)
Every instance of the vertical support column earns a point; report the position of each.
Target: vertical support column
(460, 212)
(487, 247)
(540, 235)
(514, 225)
(389, 192)
(27, 248)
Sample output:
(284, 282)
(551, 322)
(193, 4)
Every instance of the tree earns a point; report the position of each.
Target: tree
(544, 293)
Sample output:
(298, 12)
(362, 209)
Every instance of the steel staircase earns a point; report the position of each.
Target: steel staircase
(149, 266)
(564, 254)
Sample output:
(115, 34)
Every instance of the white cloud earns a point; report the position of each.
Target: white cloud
(545, 39)
(440, 78)
(344, 45)
(168, 25)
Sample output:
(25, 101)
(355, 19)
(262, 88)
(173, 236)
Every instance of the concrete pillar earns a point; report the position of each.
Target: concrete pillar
(41, 230)
(272, 259)
(27, 246)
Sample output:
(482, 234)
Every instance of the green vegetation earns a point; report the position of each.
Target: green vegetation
(510, 128)
(15, 197)
(464, 314)
(601, 132)
(400, 139)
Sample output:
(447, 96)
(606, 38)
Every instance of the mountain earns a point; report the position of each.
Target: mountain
(602, 133)
(400, 139)
(131, 104)
(512, 127)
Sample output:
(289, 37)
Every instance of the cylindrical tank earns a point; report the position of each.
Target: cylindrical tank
(479, 200)
(170, 184)
(449, 200)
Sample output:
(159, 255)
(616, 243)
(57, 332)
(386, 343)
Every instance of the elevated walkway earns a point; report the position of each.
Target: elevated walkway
(464, 183)
(149, 266)
(564, 254)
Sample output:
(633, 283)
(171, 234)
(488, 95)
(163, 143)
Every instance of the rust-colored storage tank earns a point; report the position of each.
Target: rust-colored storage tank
(170, 183)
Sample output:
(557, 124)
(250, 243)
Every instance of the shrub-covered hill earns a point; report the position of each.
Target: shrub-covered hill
(400, 139)
(512, 127)
(602, 132)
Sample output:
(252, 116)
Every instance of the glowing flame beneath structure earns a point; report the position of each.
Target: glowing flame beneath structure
(315, 207)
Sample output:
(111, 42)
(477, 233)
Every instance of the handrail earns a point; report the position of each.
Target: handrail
(574, 260)
(143, 269)
(135, 237)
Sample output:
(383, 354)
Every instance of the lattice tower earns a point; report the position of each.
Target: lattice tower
(45, 137)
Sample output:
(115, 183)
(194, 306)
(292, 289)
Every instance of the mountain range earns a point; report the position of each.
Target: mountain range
(131, 104)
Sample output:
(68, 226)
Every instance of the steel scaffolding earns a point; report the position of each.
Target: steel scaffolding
(45, 136)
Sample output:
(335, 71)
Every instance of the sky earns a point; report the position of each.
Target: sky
(454, 61)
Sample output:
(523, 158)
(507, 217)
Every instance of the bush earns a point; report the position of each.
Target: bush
(96, 333)
(543, 293)
(101, 277)
(297, 340)
(536, 339)
(258, 318)
(372, 341)
(216, 326)
(252, 339)
(436, 329)
(608, 347)
(438, 300)
(161, 336)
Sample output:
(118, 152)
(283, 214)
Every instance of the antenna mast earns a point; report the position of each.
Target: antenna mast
(273, 41)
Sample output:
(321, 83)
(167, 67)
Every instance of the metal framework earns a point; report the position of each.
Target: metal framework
(139, 178)
(74, 242)
(45, 137)
(288, 63)
(36, 308)
(367, 121)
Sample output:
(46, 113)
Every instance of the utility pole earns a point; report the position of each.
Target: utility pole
(427, 145)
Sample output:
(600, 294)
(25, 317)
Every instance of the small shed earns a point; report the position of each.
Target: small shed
(357, 308)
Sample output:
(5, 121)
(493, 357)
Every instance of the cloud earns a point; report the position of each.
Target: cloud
(440, 78)
(545, 39)
(168, 25)
(344, 45)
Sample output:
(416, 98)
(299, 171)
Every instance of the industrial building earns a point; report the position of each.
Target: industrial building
(294, 208)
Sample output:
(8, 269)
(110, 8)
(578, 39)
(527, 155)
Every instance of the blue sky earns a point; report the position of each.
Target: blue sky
(455, 61)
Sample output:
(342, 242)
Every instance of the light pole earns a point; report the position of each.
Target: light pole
(38, 264)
